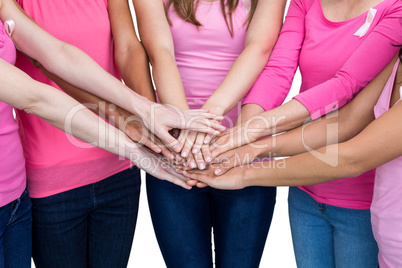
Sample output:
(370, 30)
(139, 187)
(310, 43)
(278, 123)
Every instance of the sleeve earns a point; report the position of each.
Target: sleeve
(283, 62)
(363, 66)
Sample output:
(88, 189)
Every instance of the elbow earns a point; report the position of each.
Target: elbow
(352, 164)
(159, 53)
(262, 49)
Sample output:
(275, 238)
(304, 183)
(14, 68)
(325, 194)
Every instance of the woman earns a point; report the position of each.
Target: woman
(61, 172)
(339, 46)
(68, 63)
(208, 59)
(367, 150)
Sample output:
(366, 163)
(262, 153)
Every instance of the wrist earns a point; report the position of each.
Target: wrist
(214, 108)
(247, 176)
(255, 128)
(142, 107)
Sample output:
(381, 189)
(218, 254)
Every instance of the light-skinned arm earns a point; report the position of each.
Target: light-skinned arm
(259, 43)
(63, 112)
(77, 68)
(347, 159)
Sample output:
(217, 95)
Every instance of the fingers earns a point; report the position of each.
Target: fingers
(198, 177)
(164, 150)
(212, 127)
(206, 153)
(177, 181)
(199, 142)
(201, 185)
(188, 144)
(199, 159)
(191, 163)
(151, 145)
(169, 141)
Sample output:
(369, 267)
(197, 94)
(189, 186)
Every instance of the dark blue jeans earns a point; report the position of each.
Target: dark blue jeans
(16, 233)
(183, 220)
(90, 226)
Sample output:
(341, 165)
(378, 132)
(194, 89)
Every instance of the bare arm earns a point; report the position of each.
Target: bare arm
(130, 55)
(366, 151)
(77, 68)
(58, 109)
(259, 43)
(333, 128)
(157, 39)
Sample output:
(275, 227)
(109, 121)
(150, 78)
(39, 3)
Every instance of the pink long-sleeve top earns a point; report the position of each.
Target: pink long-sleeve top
(12, 164)
(204, 55)
(335, 65)
(55, 161)
(386, 216)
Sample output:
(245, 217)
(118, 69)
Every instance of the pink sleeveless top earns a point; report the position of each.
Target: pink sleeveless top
(55, 161)
(12, 164)
(205, 55)
(386, 209)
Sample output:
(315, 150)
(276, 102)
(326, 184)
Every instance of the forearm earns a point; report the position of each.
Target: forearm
(134, 69)
(239, 79)
(58, 109)
(304, 169)
(105, 109)
(335, 127)
(167, 80)
(285, 117)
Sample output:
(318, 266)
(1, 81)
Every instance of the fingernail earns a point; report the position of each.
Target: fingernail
(218, 171)
(206, 141)
(192, 165)
(184, 154)
(171, 156)
(195, 150)
(219, 117)
(216, 133)
(208, 159)
(178, 157)
(202, 166)
(176, 147)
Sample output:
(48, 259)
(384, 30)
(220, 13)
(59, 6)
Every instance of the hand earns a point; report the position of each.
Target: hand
(195, 157)
(232, 180)
(237, 157)
(237, 136)
(154, 164)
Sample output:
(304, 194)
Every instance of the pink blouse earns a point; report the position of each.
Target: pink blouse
(386, 210)
(205, 55)
(335, 63)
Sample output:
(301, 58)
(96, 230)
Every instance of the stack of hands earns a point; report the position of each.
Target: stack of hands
(190, 148)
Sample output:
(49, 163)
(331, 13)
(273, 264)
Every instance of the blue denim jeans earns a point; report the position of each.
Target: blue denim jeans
(16, 233)
(90, 226)
(329, 236)
(183, 220)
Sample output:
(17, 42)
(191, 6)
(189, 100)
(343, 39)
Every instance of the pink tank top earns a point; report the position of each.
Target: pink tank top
(386, 208)
(12, 164)
(205, 55)
(54, 163)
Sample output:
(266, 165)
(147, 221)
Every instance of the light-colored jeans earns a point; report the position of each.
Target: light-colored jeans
(326, 236)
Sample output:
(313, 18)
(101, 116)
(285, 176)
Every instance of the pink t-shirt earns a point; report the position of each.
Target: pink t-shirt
(205, 55)
(335, 65)
(54, 163)
(386, 209)
(12, 164)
